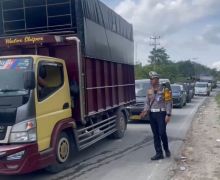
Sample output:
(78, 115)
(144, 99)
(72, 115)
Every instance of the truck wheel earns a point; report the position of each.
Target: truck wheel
(121, 126)
(63, 155)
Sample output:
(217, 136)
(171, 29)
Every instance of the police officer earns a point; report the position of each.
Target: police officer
(159, 106)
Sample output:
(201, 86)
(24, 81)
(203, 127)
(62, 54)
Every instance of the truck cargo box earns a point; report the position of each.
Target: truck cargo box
(43, 27)
(103, 33)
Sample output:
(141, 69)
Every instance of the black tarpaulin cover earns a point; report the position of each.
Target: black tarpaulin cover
(103, 33)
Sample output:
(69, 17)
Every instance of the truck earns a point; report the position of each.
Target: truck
(209, 79)
(202, 88)
(66, 78)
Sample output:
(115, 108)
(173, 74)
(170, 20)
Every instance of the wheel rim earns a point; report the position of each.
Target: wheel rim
(63, 150)
(122, 124)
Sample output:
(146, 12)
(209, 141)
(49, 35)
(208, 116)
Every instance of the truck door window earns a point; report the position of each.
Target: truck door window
(50, 79)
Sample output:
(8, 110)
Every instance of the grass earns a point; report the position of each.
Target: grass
(217, 98)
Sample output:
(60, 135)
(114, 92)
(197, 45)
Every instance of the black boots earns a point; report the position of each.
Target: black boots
(168, 154)
(157, 157)
(160, 156)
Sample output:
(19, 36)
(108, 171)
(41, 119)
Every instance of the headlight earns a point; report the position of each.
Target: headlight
(24, 132)
(16, 156)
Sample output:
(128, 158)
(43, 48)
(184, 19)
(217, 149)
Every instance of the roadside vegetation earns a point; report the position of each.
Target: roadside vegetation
(180, 71)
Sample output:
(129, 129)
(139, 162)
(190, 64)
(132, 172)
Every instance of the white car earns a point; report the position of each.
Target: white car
(202, 88)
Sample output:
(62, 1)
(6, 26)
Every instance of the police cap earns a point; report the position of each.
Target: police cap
(153, 74)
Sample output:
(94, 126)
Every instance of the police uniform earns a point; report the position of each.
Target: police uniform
(159, 105)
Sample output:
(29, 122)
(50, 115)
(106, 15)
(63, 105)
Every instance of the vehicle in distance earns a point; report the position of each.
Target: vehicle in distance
(179, 95)
(202, 88)
(189, 91)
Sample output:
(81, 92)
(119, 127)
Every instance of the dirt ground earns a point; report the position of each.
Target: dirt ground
(200, 156)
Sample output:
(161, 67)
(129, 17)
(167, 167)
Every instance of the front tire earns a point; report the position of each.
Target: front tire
(63, 155)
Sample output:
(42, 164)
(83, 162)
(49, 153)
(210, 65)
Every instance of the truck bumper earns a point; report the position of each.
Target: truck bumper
(30, 161)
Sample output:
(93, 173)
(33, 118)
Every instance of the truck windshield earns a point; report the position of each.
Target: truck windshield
(201, 85)
(11, 75)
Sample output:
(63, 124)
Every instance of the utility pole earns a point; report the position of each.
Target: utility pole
(155, 43)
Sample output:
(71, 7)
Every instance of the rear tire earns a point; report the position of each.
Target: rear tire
(64, 147)
(121, 126)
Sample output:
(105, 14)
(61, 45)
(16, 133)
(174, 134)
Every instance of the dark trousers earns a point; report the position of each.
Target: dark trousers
(158, 126)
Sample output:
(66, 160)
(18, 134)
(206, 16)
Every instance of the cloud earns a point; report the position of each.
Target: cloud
(164, 17)
(212, 34)
(216, 65)
(182, 25)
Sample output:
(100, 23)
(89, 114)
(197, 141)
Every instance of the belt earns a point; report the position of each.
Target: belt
(158, 110)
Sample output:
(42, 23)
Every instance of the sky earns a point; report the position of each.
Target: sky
(188, 29)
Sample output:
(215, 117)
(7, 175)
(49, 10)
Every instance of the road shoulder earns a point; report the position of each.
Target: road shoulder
(199, 156)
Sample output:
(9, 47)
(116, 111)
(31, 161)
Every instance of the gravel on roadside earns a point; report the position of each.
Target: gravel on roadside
(200, 155)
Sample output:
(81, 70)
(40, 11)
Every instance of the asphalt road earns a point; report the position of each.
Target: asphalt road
(128, 158)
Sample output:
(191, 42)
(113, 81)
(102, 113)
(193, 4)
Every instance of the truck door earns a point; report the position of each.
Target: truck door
(52, 99)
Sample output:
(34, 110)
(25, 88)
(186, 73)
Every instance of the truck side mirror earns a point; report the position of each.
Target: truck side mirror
(29, 80)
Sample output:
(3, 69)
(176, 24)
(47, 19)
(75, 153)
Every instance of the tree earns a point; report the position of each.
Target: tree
(139, 71)
(182, 71)
(186, 68)
(158, 57)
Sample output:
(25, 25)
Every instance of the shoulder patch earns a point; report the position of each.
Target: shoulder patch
(167, 95)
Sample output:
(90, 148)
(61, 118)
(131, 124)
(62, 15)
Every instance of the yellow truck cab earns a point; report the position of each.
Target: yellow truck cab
(39, 110)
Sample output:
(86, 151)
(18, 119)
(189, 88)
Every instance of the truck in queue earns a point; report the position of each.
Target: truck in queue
(209, 79)
(66, 78)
